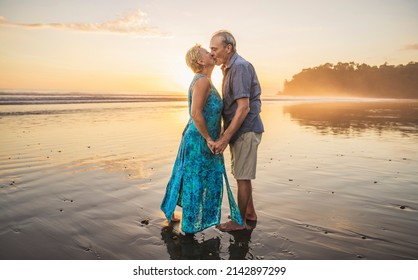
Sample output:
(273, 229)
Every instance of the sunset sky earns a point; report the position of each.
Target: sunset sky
(139, 46)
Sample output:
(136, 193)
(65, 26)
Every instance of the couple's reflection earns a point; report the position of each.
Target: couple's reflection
(182, 246)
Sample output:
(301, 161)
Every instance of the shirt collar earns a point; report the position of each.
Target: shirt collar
(231, 61)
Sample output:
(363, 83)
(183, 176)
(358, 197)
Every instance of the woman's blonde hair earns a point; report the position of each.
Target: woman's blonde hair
(192, 57)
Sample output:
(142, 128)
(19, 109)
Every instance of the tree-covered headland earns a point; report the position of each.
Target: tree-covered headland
(358, 80)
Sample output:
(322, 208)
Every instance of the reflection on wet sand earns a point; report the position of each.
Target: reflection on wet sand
(239, 248)
(351, 118)
(186, 246)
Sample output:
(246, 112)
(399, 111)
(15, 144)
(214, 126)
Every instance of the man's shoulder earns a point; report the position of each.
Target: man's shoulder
(240, 60)
(241, 64)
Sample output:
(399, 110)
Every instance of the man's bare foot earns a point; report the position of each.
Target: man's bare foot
(252, 218)
(249, 218)
(230, 226)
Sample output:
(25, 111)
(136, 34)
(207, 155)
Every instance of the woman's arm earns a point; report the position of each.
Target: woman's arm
(200, 93)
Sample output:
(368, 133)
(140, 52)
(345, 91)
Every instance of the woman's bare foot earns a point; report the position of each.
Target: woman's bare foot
(175, 219)
(230, 226)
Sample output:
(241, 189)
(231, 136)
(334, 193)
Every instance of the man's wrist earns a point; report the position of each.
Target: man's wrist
(226, 137)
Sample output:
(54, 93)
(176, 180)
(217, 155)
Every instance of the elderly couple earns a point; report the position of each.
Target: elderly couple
(196, 183)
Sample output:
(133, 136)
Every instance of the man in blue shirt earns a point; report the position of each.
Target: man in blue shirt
(242, 123)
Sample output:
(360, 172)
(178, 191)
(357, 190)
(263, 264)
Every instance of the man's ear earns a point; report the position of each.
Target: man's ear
(229, 48)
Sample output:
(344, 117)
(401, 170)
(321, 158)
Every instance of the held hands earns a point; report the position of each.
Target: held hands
(217, 147)
(220, 145)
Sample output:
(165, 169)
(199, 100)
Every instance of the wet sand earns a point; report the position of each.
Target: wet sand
(336, 180)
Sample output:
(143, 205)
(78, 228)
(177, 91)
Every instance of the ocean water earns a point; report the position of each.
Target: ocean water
(27, 98)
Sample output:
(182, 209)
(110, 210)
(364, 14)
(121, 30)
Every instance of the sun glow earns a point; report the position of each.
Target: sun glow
(184, 75)
(217, 79)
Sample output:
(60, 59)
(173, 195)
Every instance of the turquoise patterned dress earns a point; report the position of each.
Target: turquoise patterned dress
(196, 183)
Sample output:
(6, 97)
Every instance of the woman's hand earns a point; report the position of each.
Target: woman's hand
(211, 145)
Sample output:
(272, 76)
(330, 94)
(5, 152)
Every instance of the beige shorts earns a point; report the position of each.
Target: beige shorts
(244, 156)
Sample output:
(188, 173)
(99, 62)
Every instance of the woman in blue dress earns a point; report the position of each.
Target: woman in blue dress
(196, 183)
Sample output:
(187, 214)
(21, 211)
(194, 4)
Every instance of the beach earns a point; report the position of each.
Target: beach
(84, 178)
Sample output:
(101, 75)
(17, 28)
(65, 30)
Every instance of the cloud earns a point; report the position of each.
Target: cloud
(131, 23)
(411, 47)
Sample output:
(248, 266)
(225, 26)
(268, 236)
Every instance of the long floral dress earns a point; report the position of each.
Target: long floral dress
(196, 183)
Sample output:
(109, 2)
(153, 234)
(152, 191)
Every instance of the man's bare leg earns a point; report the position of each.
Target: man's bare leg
(244, 197)
(250, 213)
(244, 202)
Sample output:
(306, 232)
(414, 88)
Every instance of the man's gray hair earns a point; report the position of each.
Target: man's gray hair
(227, 39)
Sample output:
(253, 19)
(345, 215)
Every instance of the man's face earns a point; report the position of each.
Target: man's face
(218, 51)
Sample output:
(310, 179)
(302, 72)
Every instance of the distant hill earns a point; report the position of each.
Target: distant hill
(353, 79)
